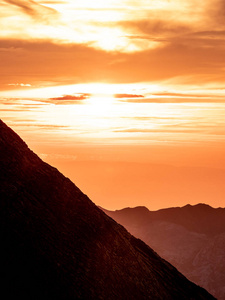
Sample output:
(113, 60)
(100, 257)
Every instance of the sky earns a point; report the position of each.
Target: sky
(126, 98)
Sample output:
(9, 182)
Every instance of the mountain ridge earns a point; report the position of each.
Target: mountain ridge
(191, 237)
(201, 217)
(57, 244)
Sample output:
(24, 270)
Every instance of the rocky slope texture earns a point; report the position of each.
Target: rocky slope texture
(56, 244)
(192, 238)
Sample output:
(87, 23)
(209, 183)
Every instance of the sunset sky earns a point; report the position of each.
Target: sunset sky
(127, 98)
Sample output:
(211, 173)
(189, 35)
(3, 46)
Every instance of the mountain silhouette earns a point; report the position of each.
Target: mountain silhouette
(192, 238)
(57, 244)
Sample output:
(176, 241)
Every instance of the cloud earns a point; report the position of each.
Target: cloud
(172, 34)
(155, 28)
(19, 84)
(128, 96)
(49, 126)
(190, 95)
(195, 25)
(43, 62)
(33, 9)
(171, 99)
(211, 95)
(54, 1)
(72, 97)
(170, 130)
(215, 13)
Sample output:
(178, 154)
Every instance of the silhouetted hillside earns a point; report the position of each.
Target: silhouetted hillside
(192, 238)
(56, 244)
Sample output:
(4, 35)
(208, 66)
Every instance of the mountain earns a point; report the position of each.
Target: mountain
(56, 244)
(192, 238)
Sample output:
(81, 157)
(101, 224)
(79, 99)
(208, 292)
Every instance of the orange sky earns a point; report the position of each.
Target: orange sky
(124, 97)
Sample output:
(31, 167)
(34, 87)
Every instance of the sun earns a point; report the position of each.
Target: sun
(101, 104)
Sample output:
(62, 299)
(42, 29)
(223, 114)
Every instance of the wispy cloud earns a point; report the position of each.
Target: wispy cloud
(155, 28)
(172, 99)
(20, 84)
(172, 130)
(39, 13)
(33, 9)
(72, 97)
(120, 96)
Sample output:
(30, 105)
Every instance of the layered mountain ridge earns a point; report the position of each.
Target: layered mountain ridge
(192, 238)
(56, 244)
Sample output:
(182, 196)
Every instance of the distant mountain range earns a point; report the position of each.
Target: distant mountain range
(56, 244)
(192, 238)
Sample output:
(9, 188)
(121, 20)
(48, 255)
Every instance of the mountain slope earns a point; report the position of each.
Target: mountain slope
(192, 238)
(56, 244)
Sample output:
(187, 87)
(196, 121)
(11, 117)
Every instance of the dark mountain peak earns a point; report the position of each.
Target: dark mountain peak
(136, 210)
(141, 208)
(199, 206)
(56, 244)
(135, 214)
